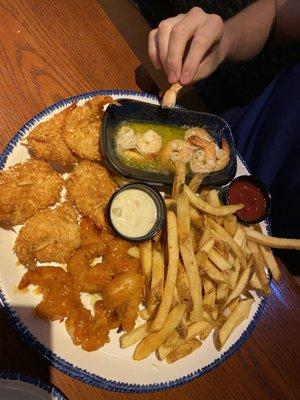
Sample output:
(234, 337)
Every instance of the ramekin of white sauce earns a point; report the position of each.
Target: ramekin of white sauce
(136, 212)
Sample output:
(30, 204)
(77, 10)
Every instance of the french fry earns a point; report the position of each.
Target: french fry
(156, 238)
(230, 224)
(170, 204)
(158, 270)
(218, 260)
(197, 219)
(205, 332)
(242, 282)
(240, 235)
(179, 179)
(231, 242)
(183, 215)
(144, 314)
(197, 329)
(259, 267)
(205, 237)
(233, 274)
(151, 342)
(207, 284)
(193, 277)
(271, 241)
(196, 182)
(203, 206)
(209, 299)
(134, 252)
(183, 326)
(137, 334)
(213, 199)
(183, 287)
(172, 339)
(222, 293)
(270, 261)
(215, 313)
(224, 314)
(200, 258)
(261, 273)
(146, 260)
(183, 350)
(239, 314)
(188, 257)
(170, 282)
(214, 273)
(254, 282)
(163, 350)
(207, 246)
(223, 248)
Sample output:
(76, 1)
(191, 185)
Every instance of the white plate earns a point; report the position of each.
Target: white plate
(110, 367)
(20, 387)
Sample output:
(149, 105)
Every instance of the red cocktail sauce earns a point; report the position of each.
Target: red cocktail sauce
(251, 196)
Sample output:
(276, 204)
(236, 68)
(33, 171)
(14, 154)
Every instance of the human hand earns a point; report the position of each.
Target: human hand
(187, 46)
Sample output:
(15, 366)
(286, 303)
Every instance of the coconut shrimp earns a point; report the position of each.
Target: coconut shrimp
(177, 151)
(169, 99)
(126, 139)
(149, 142)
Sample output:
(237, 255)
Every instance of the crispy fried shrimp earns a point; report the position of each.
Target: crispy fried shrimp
(87, 331)
(50, 235)
(89, 187)
(27, 188)
(123, 295)
(46, 141)
(176, 151)
(149, 142)
(113, 252)
(60, 293)
(82, 128)
(170, 97)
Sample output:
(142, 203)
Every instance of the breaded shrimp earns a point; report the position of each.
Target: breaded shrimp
(89, 187)
(123, 295)
(82, 128)
(27, 188)
(89, 332)
(50, 235)
(60, 294)
(46, 141)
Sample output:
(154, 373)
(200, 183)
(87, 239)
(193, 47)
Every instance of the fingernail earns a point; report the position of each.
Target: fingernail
(172, 77)
(185, 78)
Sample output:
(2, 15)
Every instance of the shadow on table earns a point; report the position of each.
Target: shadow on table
(18, 360)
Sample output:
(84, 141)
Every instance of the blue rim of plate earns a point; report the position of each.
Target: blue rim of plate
(47, 387)
(65, 366)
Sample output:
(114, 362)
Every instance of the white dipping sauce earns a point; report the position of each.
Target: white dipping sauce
(133, 212)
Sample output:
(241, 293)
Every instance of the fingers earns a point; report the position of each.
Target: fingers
(163, 38)
(153, 49)
(209, 64)
(180, 34)
(205, 37)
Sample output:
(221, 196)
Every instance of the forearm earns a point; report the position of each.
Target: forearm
(246, 33)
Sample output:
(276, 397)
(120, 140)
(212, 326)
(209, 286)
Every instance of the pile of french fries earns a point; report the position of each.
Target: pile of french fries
(199, 274)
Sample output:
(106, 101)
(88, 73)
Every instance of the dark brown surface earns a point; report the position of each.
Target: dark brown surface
(53, 49)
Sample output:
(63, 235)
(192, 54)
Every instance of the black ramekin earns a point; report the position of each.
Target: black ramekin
(224, 193)
(160, 206)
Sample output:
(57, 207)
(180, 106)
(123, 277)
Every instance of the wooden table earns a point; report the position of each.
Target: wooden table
(53, 49)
